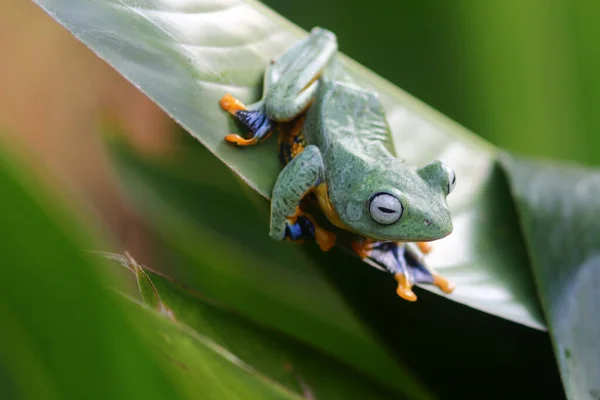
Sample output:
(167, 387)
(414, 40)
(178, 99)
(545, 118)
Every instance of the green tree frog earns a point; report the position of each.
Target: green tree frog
(336, 146)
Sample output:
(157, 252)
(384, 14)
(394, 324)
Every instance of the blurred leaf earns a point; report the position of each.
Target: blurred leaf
(63, 335)
(263, 351)
(209, 235)
(201, 368)
(520, 105)
(185, 56)
(559, 208)
(212, 236)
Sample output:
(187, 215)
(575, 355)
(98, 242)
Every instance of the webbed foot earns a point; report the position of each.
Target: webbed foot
(403, 262)
(301, 225)
(255, 120)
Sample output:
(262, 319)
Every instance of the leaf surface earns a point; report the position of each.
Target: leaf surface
(559, 208)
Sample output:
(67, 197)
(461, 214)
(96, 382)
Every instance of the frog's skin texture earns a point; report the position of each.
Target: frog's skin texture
(336, 145)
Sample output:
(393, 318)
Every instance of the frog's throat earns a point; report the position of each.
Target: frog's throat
(325, 204)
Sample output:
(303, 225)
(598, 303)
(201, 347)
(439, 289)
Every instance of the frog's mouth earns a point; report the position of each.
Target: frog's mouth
(434, 231)
(393, 238)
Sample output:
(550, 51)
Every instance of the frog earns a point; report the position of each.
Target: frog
(335, 145)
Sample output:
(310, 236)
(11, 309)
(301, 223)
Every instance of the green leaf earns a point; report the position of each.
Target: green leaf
(559, 208)
(63, 334)
(185, 56)
(263, 352)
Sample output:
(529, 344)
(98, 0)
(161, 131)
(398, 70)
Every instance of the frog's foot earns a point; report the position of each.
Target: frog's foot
(403, 262)
(387, 256)
(425, 247)
(255, 120)
(301, 225)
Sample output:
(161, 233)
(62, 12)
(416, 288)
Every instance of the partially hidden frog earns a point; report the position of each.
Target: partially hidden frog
(336, 146)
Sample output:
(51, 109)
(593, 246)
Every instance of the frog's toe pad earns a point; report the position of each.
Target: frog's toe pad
(425, 247)
(404, 289)
(231, 104)
(442, 283)
(240, 141)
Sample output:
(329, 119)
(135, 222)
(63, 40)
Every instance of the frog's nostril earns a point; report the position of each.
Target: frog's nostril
(427, 222)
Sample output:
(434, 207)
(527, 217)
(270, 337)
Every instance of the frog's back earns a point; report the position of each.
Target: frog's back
(348, 121)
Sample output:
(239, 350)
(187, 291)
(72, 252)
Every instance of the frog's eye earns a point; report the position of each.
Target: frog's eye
(451, 178)
(385, 208)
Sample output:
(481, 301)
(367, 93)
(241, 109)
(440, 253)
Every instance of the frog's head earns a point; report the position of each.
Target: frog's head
(400, 203)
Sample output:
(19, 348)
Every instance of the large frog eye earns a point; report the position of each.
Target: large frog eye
(451, 178)
(385, 208)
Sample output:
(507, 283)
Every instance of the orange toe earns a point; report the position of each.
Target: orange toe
(405, 288)
(362, 247)
(231, 104)
(237, 139)
(443, 284)
(425, 247)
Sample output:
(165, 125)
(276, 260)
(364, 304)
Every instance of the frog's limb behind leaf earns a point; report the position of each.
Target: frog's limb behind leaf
(403, 262)
(290, 84)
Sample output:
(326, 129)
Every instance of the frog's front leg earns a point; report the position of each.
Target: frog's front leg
(299, 177)
(401, 261)
(253, 117)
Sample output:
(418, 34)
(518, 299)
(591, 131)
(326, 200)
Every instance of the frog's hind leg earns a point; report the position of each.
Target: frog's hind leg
(403, 262)
(297, 179)
(253, 117)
